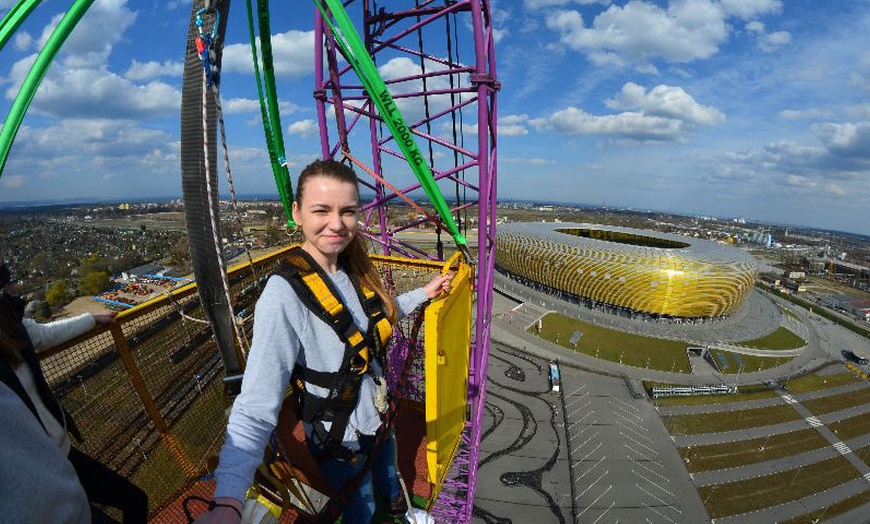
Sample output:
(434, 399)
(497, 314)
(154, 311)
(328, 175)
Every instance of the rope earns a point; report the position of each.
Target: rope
(461, 135)
(181, 312)
(211, 212)
(439, 246)
(232, 185)
(392, 188)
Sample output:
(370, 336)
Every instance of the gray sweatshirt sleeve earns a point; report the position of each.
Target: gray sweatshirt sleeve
(408, 302)
(273, 354)
(45, 336)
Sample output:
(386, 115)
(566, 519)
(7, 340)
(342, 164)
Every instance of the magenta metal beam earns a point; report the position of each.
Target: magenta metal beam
(470, 169)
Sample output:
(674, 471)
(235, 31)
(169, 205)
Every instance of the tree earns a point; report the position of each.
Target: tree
(94, 283)
(179, 254)
(57, 293)
(93, 263)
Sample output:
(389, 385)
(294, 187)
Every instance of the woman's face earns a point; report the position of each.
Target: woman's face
(327, 216)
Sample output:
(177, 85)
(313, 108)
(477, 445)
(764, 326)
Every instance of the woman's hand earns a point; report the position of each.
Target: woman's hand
(105, 318)
(226, 511)
(438, 285)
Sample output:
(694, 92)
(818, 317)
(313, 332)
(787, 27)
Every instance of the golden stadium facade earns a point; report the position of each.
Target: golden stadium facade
(644, 271)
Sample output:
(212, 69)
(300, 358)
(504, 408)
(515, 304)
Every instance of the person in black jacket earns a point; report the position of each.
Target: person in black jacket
(20, 340)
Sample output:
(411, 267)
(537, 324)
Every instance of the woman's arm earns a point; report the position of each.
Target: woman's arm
(45, 336)
(408, 302)
(254, 414)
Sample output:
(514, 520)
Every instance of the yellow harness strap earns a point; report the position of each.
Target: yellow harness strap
(315, 281)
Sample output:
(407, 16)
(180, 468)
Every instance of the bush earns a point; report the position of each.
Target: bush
(57, 293)
(94, 283)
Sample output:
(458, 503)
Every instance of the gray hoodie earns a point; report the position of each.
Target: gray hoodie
(39, 483)
(285, 332)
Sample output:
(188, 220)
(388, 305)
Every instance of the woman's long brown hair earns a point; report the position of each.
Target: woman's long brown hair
(355, 255)
(12, 336)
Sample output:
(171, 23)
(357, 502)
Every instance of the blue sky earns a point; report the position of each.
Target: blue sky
(752, 108)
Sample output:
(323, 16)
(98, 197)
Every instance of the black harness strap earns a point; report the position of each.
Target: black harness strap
(317, 292)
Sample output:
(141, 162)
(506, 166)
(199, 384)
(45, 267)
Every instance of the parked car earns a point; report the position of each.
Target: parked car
(852, 357)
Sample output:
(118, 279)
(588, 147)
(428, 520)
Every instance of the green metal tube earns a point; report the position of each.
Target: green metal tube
(279, 172)
(352, 46)
(36, 74)
(14, 18)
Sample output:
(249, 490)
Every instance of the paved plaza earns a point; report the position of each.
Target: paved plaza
(594, 452)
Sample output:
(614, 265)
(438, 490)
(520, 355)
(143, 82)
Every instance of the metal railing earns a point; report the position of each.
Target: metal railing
(147, 391)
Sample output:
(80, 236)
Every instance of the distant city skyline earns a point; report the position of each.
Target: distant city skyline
(729, 108)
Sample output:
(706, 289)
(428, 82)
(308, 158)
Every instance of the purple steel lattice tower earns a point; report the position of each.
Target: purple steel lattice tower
(438, 60)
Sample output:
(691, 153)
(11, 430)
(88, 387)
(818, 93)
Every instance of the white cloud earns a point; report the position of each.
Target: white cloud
(500, 18)
(97, 137)
(749, 9)
(23, 40)
(240, 105)
(528, 161)
(639, 31)
(629, 126)
(665, 101)
(538, 4)
(95, 35)
(413, 108)
(293, 55)
(79, 83)
(849, 140)
(304, 128)
(858, 112)
(12, 181)
(97, 92)
(151, 70)
(84, 152)
(804, 114)
(513, 125)
(768, 42)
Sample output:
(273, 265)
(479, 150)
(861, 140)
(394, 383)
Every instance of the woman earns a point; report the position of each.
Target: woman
(287, 333)
(20, 340)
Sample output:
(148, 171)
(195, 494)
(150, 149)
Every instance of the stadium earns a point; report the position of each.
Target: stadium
(640, 271)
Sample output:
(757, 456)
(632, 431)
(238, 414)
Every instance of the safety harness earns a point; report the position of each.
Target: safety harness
(319, 295)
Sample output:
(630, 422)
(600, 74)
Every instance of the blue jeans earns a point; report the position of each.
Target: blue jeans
(382, 478)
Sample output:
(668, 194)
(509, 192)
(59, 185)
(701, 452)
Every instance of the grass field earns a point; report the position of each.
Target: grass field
(782, 338)
(743, 452)
(734, 498)
(615, 346)
(814, 382)
(832, 511)
(851, 427)
(832, 403)
(729, 420)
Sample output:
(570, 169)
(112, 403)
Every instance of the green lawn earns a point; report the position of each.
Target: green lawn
(814, 382)
(779, 339)
(833, 510)
(851, 427)
(729, 420)
(742, 452)
(832, 403)
(615, 346)
(734, 498)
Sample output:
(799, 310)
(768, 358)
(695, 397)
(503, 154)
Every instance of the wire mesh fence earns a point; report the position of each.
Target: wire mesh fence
(147, 393)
